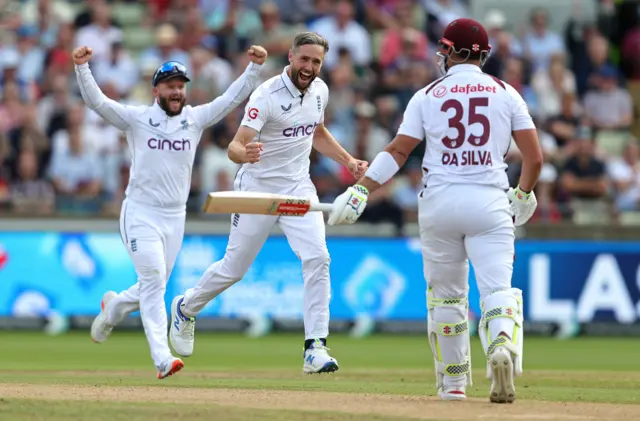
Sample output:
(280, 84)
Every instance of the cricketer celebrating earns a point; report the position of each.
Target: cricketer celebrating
(162, 139)
(283, 122)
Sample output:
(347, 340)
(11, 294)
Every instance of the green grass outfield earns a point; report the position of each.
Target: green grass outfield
(233, 377)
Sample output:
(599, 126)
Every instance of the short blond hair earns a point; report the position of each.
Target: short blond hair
(310, 38)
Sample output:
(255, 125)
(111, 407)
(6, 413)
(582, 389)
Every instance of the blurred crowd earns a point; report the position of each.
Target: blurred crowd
(582, 85)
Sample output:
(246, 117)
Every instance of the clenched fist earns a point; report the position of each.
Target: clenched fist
(82, 55)
(257, 54)
(252, 152)
(357, 168)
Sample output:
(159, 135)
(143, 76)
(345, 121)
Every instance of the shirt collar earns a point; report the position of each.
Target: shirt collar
(293, 90)
(464, 68)
(157, 114)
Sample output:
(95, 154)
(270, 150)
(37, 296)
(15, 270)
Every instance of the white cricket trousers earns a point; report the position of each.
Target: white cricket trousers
(460, 221)
(306, 236)
(153, 237)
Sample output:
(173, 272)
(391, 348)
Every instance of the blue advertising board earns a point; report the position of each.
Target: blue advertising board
(69, 273)
(579, 281)
(379, 278)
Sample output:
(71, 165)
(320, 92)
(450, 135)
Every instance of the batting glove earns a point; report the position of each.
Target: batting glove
(523, 205)
(348, 207)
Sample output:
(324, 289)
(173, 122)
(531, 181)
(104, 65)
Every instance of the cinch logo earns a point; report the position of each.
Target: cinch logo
(169, 145)
(297, 131)
(461, 89)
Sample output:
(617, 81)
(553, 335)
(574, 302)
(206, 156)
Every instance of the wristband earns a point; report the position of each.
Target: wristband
(383, 168)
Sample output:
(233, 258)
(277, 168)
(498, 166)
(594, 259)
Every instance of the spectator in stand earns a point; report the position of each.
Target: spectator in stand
(495, 23)
(76, 176)
(403, 39)
(608, 106)
(624, 172)
(275, 36)
(11, 108)
(235, 24)
(550, 85)
(27, 135)
(541, 43)
(597, 57)
(87, 14)
(120, 69)
(140, 94)
(513, 73)
(31, 194)
(192, 28)
(10, 64)
(54, 106)
(100, 34)
(31, 65)
(219, 71)
(57, 59)
(498, 60)
(341, 30)
(439, 14)
(563, 125)
(166, 48)
(584, 174)
(47, 16)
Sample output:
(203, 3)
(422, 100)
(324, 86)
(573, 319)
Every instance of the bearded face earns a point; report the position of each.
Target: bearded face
(305, 64)
(172, 96)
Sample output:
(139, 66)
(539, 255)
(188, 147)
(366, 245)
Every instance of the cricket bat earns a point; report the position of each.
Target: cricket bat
(261, 204)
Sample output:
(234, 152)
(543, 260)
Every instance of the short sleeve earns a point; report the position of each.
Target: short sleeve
(257, 110)
(412, 124)
(520, 117)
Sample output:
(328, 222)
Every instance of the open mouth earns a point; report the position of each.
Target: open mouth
(174, 101)
(305, 77)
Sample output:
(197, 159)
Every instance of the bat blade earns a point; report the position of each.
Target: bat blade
(256, 203)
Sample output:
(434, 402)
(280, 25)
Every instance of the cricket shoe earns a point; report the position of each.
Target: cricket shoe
(181, 333)
(503, 389)
(101, 328)
(452, 393)
(318, 360)
(170, 367)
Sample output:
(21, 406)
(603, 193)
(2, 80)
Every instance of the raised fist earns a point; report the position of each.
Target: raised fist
(257, 54)
(82, 55)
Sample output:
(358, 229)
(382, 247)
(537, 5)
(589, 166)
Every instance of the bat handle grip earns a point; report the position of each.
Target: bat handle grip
(321, 207)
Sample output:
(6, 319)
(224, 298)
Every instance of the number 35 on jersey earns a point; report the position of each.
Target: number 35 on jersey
(469, 131)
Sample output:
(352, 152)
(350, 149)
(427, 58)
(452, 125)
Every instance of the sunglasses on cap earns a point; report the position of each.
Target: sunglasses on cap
(170, 70)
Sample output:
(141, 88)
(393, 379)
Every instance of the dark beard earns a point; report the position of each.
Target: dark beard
(295, 80)
(164, 104)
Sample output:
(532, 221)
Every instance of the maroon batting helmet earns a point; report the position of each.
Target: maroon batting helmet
(466, 38)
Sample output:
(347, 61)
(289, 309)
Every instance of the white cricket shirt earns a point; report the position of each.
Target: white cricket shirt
(163, 148)
(467, 118)
(286, 121)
